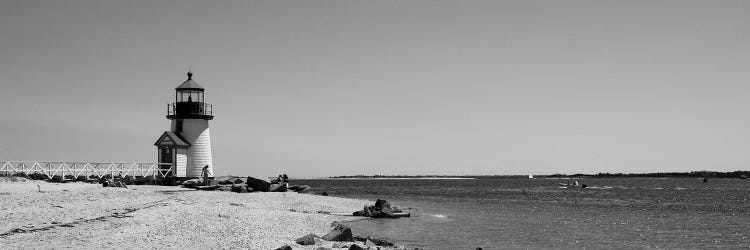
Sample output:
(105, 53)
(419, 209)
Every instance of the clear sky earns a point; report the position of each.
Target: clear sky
(322, 88)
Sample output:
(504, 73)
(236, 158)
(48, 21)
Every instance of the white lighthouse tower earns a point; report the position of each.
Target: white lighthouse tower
(186, 148)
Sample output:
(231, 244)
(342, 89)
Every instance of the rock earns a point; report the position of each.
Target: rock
(113, 184)
(322, 248)
(367, 212)
(384, 208)
(339, 233)
(192, 183)
(378, 242)
(258, 184)
(284, 247)
(323, 194)
(238, 181)
(299, 188)
(278, 187)
(357, 238)
(225, 188)
(56, 178)
(239, 188)
(226, 182)
(306, 240)
(340, 245)
(355, 247)
(368, 242)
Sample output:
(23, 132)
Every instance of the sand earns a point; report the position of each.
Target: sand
(79, 215)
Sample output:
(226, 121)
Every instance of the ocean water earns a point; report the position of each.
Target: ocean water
(621, 213)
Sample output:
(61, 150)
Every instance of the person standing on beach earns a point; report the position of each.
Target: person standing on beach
(205, 176)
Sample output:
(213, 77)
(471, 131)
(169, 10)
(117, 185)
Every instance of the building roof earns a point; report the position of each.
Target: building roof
(171, 139)
(189, 84)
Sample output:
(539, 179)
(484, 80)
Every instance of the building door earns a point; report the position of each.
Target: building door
(166, 159)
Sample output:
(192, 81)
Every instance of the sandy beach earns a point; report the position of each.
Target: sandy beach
(79, 215)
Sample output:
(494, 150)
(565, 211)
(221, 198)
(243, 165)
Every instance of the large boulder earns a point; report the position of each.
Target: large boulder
(258, 184)
(306, 240)
(384, 208)
(339, 233)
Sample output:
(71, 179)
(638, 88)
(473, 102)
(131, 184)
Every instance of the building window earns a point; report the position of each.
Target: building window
(178, 126)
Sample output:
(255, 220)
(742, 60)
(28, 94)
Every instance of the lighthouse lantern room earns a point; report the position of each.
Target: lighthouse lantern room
(186, 148)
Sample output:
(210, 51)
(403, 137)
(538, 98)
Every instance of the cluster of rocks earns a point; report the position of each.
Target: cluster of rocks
(341, 238)
(382, 209)
(249, 185)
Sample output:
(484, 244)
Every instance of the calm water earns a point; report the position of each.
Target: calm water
(617, 213)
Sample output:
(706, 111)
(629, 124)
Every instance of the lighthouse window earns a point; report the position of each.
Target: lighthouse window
(178, 126)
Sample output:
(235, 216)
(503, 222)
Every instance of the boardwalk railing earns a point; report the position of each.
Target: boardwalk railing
(86, 169)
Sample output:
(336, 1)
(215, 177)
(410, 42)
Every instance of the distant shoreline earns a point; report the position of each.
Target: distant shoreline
(400, 178)
(694, 174)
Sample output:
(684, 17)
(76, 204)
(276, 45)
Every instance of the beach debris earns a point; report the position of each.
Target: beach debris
(340, 232)
(306, 240)
(284, 247)
(113, 183)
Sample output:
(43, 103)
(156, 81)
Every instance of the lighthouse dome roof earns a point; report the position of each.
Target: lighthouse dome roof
(189, 84)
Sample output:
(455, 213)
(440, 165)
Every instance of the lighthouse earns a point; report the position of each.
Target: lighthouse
(186, 148)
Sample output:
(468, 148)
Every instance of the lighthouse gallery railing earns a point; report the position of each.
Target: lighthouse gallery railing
(190, 108)
(99, 169)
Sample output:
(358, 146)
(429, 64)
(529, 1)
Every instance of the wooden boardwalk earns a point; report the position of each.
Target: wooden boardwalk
(86, 169)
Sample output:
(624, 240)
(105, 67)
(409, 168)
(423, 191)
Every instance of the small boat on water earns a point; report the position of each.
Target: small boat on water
(531, 176)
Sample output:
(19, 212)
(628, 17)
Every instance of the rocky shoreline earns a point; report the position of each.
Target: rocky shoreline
(42, 215)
